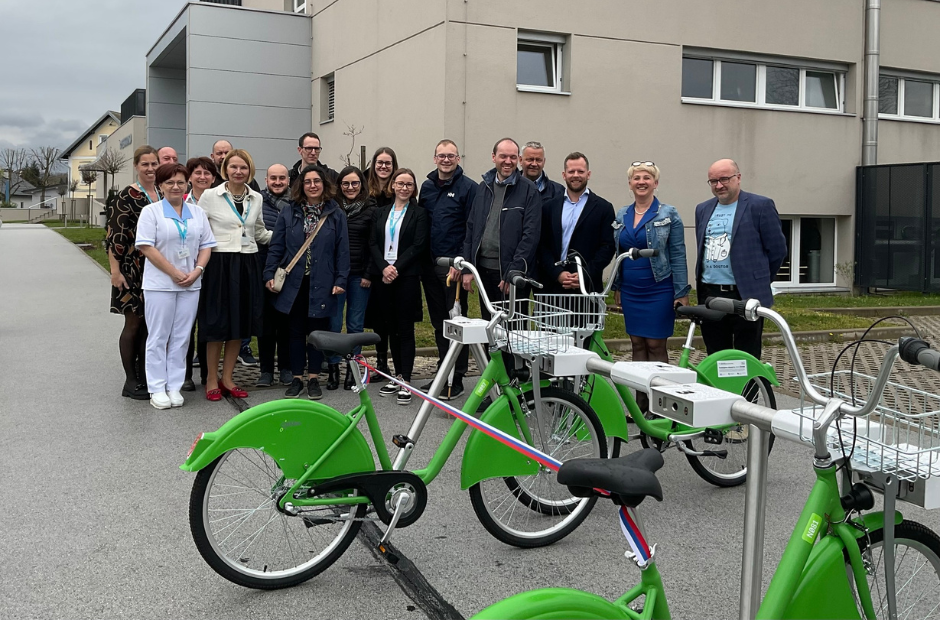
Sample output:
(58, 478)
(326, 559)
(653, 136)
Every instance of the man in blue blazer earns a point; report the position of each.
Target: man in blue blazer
(740, 246)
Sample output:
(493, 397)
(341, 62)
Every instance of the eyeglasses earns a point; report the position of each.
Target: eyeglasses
(350, 184)
(722, 180)
(312, 182)
(311, 149)
(176, 183)
(383, 164)
(643, 163)
(401, 185)
(446, 156)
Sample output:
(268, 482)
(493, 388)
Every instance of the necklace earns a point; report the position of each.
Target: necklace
(638, 212)
(237, 197)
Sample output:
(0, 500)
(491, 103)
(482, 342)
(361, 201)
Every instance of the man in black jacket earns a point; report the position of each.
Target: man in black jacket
(446, 196)
(533, 167)
(308, 145)
(503, 226)
(221, 148)
(577, 220)
(275, 329)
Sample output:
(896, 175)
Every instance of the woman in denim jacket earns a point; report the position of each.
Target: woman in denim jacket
(648, 288)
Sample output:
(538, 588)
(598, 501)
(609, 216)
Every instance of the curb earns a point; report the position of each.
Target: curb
(878, 311)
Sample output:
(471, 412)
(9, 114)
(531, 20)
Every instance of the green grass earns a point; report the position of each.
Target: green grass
(897, 298)
(94, 236)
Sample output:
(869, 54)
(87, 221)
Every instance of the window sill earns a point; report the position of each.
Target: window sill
(809, 287)
(771, 108)
(539, 89)
(326, 122)
(909, 119)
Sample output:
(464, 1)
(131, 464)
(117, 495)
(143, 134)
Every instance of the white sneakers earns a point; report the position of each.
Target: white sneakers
(165, 400)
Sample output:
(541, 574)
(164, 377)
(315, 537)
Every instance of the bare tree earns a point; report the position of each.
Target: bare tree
(46, 161)
(352, 131)
(111, 162)
(12, 162)
(89, 176)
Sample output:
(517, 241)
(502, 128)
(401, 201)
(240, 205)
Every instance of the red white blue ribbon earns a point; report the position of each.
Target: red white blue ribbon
(634, 536)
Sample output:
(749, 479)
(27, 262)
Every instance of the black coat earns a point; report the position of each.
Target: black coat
(413, 242)
(448, 206)
(359, 225)
(294, 172)
(271, 207)
(591, 238)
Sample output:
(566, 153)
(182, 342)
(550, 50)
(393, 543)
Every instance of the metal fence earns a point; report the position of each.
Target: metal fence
(897, 227)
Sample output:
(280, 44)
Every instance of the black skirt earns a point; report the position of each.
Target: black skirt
(231, 302)
(395, 304)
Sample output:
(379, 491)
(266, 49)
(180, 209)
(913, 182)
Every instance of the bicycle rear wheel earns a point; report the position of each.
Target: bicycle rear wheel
(534, 511)
(242, 535)
(732, 470)
(917, 571)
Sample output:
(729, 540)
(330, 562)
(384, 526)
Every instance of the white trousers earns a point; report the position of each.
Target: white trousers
(170, 316)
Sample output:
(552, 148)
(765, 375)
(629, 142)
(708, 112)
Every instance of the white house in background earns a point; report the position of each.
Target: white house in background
(84, 149)
(21, 194)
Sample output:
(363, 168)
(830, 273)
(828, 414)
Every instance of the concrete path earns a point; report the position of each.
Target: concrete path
(94, 517)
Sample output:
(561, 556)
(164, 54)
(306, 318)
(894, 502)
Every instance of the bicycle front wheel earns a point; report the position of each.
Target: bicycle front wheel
(916, 571)
(242, 535)
(732, 470)
(535, 510)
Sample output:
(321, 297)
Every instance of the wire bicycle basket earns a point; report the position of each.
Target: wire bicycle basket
(547, 324)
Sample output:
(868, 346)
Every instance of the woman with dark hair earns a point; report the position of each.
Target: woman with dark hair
(231, 304)
(318, 277)
(202, 174)
(176, 240)
(359, 207)
(399, 239)
(384, 163)
(127, 267)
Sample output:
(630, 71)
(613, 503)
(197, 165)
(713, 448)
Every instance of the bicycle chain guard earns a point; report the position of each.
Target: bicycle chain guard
(379, 487)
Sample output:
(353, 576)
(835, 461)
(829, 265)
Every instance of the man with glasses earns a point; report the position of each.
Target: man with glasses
(446, 196)
(309, 148)
(503, 226)
(740, 246)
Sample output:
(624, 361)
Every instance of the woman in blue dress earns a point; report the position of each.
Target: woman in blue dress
(648, 288)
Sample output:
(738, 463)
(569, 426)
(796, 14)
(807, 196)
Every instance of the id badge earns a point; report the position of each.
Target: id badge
(183, 252)
(391, 254)
(245, 240)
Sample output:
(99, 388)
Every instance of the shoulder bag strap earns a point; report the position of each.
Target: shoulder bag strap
(306, 244)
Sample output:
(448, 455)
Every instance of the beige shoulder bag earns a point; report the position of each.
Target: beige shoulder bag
(280, 276)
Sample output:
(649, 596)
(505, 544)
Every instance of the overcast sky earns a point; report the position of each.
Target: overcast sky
(66, 62)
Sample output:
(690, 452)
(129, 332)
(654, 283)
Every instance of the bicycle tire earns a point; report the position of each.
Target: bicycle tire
(546, 519)
(732, 471)
(281, 544)
(913, 582)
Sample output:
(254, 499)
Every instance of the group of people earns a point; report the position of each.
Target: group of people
(200, 254)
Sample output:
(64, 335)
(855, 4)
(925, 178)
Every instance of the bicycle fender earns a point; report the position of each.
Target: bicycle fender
(294, 433)
(553, 603)
(824, 590)
(718, 372)
(485, 458)
(875, 521)
(606, 403)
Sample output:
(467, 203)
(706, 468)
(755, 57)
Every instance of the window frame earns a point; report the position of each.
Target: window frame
(556, 44)
(300, 6)
(760, 99)
(902, 78)
(796, 239)
(327, 98)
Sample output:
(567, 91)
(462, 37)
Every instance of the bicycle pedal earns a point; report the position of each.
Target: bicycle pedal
(713, 436)
(314, 521)
(388, 554)
(722, 454)
(402, 440)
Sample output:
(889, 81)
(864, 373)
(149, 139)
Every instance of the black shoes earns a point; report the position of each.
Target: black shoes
(349, 382)
(389, 389)
(404, 396)
(286, 377)
(136, 391)
(188, 386)
(245, 357)
(455, 390)
(381, 364)
(296, 387)
(265, 379)
(313, 389)
(332, 381)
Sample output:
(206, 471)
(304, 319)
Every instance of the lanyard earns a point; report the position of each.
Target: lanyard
(144, 192)
(182, 230)
(393, 221)
(240, 217)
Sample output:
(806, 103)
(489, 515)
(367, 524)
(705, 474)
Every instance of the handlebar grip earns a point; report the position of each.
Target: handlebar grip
(535, 284)
(917, 351)
(648, 252)
(444, 261)
(728, 306)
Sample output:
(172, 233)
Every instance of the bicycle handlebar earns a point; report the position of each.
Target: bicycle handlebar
(575, 259)
(516, 279)
(917, 351)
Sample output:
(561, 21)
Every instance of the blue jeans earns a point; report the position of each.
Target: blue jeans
(358, 298)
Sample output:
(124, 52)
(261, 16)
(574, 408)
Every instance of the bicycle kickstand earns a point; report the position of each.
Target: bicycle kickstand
(403, 503)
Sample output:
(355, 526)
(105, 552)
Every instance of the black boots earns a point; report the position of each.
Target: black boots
(349, 382)
(332, 381)
(381, 364)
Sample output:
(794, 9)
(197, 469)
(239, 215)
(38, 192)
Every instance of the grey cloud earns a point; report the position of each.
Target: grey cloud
(22, 120)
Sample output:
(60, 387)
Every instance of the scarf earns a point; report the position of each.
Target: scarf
(311, 217)
(353, 208)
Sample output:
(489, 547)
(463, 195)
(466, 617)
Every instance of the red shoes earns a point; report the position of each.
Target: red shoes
(213, 395)
(234, 391)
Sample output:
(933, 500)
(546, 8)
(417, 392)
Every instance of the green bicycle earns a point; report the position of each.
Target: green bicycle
(839, 562)
(717, 454)
(283, 488)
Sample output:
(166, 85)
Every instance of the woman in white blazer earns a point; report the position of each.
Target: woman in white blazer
(231, 303)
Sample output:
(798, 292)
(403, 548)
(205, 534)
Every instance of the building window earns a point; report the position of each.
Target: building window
(539, 60)
(813, 240)
(102, 137)
(761, 84)
(300, 6)
(908, 97)
(91, 146)
(327, 98)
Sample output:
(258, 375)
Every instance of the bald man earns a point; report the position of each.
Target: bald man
(740, 249)
(221, 148)
(167, 155)
(275, 335)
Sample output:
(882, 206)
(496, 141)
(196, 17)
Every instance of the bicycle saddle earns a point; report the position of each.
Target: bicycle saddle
(341, 344)
(700, 313)
(629, 478)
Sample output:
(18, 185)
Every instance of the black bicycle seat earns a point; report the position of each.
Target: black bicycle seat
(341, 344)
(700, 313)
(629, 479)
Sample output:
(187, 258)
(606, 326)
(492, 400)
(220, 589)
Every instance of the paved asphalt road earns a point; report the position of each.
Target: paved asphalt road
(94, 521)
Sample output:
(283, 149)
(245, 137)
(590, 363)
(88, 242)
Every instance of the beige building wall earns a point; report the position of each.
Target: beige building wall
(86, 152)
(126, 139)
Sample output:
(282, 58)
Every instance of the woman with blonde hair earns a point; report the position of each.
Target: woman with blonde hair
(231, 302)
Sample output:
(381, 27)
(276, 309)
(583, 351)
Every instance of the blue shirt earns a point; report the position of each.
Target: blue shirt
(716, 256)
(570, 212)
